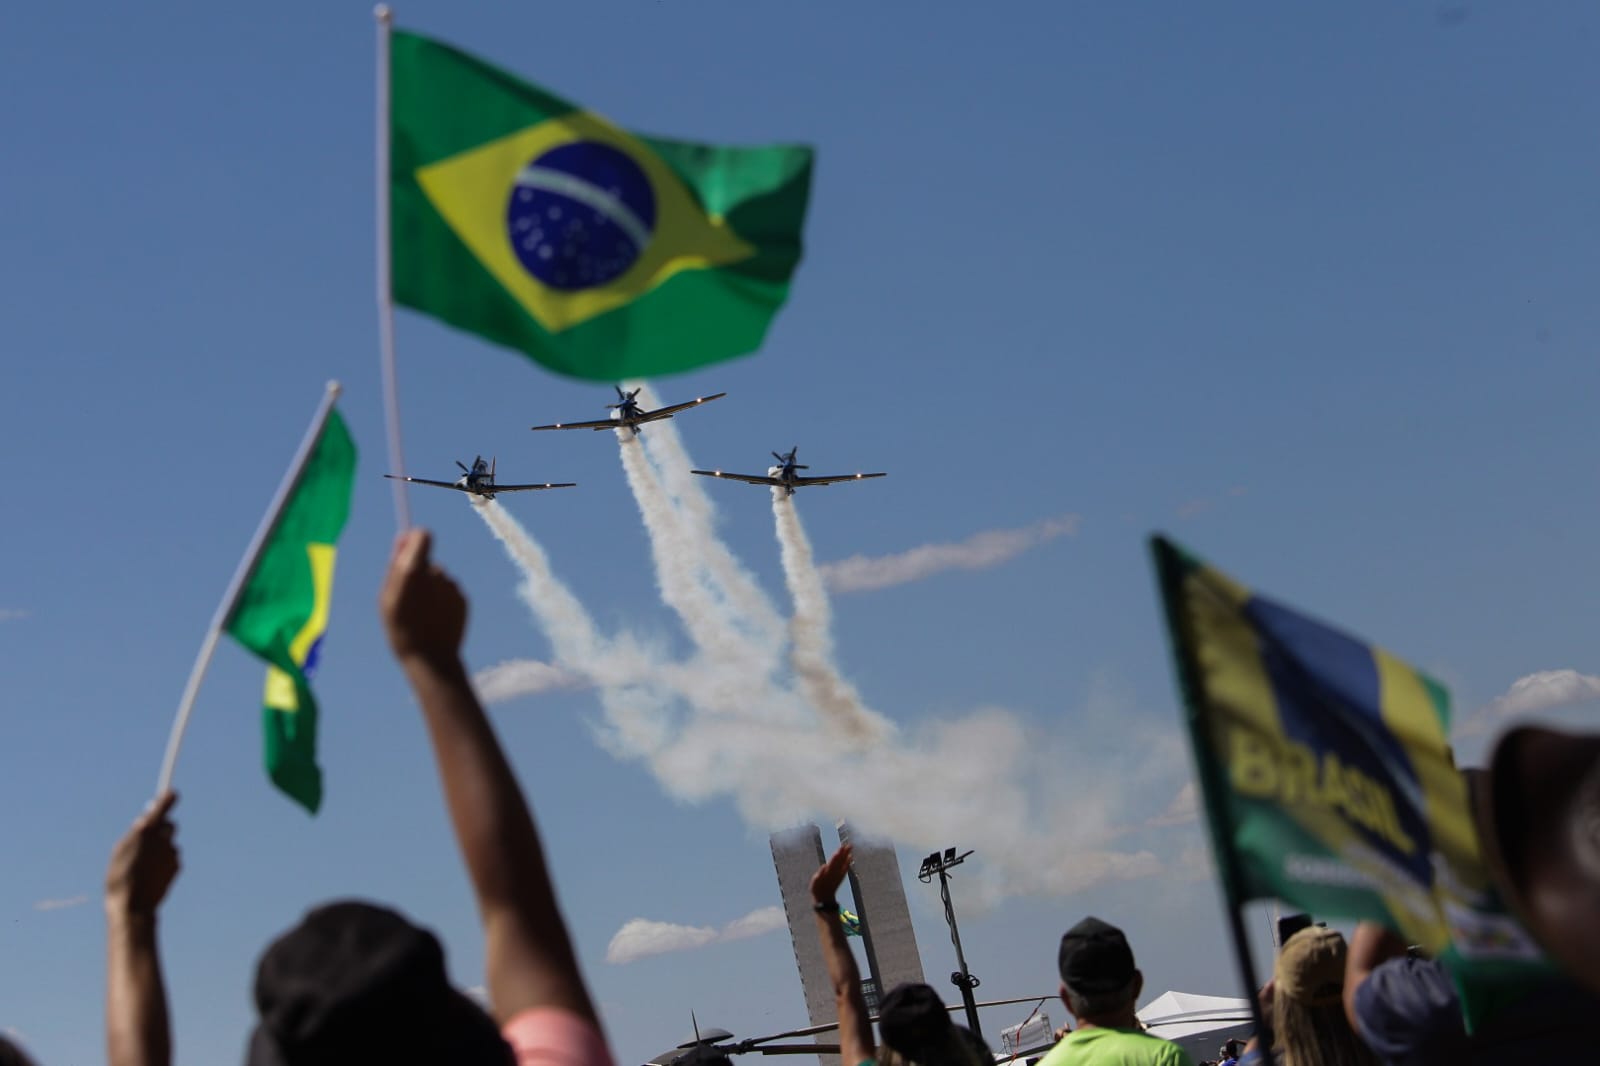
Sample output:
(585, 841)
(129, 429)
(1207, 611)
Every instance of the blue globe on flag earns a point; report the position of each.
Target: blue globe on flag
(580, 215)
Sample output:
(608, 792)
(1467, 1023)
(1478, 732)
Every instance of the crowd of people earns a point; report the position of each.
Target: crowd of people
(355, 981)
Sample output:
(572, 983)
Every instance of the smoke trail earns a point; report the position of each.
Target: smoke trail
(964, 779)
(752, 607)
(677, 572)
(521, 677)
(811, 630)
(569, 626)
(980, 551)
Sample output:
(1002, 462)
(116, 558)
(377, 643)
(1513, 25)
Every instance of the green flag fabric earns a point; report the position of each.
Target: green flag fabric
(1329, 781)
(282, 611)
(599, 253)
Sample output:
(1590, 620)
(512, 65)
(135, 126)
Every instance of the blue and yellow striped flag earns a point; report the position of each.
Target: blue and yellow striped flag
(1328, 777)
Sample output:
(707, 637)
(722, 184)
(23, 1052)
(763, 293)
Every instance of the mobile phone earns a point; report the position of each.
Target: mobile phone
(1291, 924)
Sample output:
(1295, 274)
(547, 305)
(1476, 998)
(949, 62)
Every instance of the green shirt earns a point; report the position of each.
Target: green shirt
(1115, 1047)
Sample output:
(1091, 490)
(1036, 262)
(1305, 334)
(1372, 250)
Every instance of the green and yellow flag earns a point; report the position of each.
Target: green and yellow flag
(598, 253)
(282, 610)
(1329, 781)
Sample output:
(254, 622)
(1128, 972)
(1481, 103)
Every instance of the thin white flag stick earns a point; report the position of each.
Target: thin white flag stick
(230, 598)
(391, 390)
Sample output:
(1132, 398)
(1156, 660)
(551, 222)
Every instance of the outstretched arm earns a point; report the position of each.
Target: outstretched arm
(530, 958)
(143, 866)
(855, 1023)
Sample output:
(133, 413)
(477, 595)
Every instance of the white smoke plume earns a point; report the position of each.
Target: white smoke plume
(811, 631)
(59, 904)
(749, 606)
(758, 738)
(640, 937)
(864, 573)
(1546, 690)
(521, 677)
(684, 574)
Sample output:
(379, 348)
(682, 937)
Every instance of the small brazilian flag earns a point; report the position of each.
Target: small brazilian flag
(282, 610)
(599, 253)
(851, 922)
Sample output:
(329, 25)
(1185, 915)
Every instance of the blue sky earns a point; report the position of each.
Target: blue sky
(1312, 290)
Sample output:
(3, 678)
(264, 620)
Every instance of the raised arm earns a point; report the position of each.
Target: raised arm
(143, 866)
(1371, 945)
(530, 958)
(855, 1023)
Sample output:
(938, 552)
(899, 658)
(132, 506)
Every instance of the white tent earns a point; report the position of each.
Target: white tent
(1199, 1023)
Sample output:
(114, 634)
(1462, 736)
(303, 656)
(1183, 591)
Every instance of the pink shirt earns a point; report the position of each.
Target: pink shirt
(555, 1036)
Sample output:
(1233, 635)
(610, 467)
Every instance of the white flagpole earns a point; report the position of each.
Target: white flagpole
(391, 391)
(230, 598)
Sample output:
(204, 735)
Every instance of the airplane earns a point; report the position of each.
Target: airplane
(480, 480)
(783, 475)
(626, 412)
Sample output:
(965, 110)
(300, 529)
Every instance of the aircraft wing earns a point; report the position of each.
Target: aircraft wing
(425, 481)
(526, 488)
(602, 423)
(668, 412)
(832, 478)
(753, 479)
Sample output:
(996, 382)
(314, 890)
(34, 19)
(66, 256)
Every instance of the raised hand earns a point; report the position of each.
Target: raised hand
(422, 607)
(145, 861)
(825, 882)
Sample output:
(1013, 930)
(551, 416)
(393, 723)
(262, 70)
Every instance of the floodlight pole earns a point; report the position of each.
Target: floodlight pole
(962, 979)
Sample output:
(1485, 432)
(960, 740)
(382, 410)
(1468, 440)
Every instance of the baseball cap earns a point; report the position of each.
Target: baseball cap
(1310, 967)
(911, 1017)
(358, 982)
(1095, 958)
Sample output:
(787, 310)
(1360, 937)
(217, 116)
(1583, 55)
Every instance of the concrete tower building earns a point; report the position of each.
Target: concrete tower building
(891, 945)
(880, 902)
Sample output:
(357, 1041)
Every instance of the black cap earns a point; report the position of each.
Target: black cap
(912, 1018)
(354, 981)
(1095, 958)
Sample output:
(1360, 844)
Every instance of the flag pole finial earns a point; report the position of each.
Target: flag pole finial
(383, 14)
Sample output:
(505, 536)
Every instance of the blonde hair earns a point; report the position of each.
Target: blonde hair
(1316, 1036)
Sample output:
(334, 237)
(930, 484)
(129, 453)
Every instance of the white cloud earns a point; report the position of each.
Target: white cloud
(521, 677)
(1185, 807)
(861, 573)
(641, 937)
(1546, 690)
(756, 923)
(60, 904)
(12, 614)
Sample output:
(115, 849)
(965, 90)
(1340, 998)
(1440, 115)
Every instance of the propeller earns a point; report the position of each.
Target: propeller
(624, 398)
(463, 467)
(788, 460)
(710, 1047)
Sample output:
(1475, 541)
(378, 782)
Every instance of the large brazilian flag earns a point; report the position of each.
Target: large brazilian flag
(1329, 781)
(598, 253)
(282, 610)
